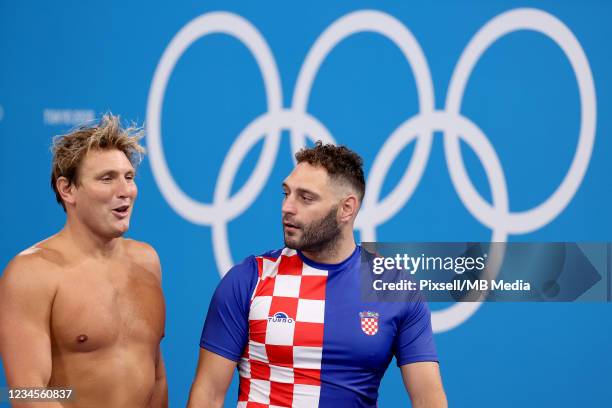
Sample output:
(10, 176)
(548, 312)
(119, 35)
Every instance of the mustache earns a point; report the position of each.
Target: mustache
(287, 220)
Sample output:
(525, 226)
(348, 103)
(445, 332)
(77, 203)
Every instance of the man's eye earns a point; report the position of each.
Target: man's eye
(307, 199)
(106, 178)
(130, 177)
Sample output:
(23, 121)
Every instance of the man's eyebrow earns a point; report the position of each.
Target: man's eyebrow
(106, 171)
(114, 172)
(300, 190)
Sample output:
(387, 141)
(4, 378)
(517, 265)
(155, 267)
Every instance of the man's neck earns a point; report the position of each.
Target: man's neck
(85, 241)
(341, 250)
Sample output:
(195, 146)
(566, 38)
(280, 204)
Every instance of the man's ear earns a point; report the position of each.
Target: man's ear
(349, 206)
(66, 190)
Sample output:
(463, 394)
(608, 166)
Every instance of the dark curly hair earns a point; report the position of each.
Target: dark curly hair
(342, 164)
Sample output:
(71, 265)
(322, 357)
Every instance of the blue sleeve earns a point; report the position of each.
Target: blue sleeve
(415, 340)
(226, 329)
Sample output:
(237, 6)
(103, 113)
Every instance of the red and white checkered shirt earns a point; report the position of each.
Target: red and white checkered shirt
(281, 366)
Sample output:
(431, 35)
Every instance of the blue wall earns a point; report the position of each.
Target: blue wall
(523, 115)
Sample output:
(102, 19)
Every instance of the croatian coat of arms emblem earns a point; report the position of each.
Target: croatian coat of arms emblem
(369, 322)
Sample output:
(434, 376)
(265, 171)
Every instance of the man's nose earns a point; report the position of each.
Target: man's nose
(126, 188)
(288, 206)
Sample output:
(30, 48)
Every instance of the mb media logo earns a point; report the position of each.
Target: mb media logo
(280, 317)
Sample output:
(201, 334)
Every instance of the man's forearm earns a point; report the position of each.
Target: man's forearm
(200, 397)
(434, 400)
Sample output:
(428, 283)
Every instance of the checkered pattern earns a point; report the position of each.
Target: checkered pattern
(369, 325)
(281, 365)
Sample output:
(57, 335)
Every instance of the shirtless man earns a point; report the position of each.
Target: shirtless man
(83, 309)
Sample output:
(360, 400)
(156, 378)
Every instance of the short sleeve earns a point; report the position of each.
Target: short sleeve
(415, 340)
(226, 328)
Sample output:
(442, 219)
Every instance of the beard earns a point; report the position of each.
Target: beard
(320, 235)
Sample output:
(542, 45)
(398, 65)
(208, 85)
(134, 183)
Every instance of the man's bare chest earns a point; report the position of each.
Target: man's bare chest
(99, 307)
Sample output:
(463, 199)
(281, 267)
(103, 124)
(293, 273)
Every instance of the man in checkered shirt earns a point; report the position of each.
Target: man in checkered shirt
(293, 321)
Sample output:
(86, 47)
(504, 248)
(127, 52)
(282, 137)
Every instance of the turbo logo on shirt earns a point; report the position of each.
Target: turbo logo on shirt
(280, 317)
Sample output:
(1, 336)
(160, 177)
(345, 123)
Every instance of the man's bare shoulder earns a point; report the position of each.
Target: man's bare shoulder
(144, 255)
(34, 270)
